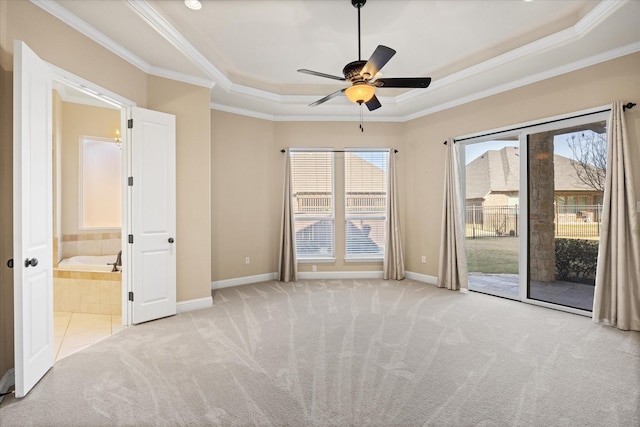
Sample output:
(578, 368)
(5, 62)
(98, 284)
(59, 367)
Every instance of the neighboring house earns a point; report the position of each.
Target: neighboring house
(493, 179)
(493, 197)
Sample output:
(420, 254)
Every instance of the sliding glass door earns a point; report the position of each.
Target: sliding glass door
(566, 183)
(533, 200)
(492, 187)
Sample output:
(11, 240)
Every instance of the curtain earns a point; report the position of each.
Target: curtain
(288, 262)
(617, 292)
(452, 270)
(393, 263)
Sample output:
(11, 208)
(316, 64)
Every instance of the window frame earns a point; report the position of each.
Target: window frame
(114, 188)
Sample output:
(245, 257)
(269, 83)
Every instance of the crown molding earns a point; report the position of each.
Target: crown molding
(217, 78)
(534, 78)
(242, 111)
(579, 30)
(53, 8)
(158, 23)
(350, 117)
(181, 77)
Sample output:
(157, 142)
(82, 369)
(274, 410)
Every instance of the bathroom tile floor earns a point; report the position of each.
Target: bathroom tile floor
(74, 331)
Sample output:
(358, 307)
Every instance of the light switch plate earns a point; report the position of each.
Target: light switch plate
(638, 207)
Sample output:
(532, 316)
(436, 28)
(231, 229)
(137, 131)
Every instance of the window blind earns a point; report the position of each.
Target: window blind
(313, 203)
(366, 176)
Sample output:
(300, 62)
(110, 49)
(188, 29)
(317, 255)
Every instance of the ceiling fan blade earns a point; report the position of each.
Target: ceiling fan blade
(373, 103)
(380, 57)
(328, 97)
(408, 82)
(316, 73)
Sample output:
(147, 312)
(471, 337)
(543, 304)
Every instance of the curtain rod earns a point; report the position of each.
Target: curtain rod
(347, 151)
(627, 106)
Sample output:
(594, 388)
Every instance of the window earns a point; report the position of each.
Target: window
(313, 203)
(365, 203)
(100, 183)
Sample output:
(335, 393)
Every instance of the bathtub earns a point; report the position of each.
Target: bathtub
(85, 284)
(88, 263)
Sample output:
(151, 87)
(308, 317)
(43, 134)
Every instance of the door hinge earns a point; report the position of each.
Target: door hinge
(130, 181)
(130, 123)
(130, 238)
(130, 296)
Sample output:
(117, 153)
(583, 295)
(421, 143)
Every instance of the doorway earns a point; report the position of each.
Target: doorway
(533, 201)
(149, 208)
(87, 219)
(492, 194)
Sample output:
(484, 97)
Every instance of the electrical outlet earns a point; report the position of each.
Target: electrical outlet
(247, 260)
(314, 268)
(424, 259)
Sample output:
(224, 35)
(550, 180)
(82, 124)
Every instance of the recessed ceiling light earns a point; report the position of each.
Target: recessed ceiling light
(193, 4)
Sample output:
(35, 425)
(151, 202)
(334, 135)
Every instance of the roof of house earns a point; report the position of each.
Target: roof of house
(499, 171)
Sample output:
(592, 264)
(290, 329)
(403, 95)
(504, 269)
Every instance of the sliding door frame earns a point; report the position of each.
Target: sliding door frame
(521, 132)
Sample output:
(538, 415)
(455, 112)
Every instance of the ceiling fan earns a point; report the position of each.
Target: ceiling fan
(362, 75)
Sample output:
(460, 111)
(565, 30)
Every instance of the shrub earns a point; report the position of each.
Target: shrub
(576, 260)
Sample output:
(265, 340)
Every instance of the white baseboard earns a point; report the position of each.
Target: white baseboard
(7, 381)
(432, 280)
(194, 304)
(319, 275)
(219, 284)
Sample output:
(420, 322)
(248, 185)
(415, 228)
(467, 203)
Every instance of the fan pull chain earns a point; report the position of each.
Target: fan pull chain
(361, 118)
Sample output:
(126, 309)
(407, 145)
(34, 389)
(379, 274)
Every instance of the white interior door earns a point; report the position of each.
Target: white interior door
(32, 218)
(153, 215)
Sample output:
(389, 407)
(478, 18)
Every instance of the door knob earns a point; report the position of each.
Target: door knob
(171, 240)
(31, 262)
(10, 263)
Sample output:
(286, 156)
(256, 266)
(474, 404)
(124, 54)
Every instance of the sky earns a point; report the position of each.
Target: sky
(377, 159)
(473, 151)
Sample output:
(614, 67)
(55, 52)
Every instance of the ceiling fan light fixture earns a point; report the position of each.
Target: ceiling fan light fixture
(360, 92)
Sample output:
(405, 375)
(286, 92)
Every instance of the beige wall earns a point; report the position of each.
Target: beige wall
(245, 168)
(590, 87)
(77, 121)
(247, 180)
(245, 184)
(339, 136)
(65, 48)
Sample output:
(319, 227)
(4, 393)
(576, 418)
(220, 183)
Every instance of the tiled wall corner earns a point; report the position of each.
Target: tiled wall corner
(90, 244)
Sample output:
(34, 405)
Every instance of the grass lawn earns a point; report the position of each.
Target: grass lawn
(493, 255)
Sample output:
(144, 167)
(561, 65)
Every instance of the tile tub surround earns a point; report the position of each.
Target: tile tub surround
(87, 292)
(90, 244)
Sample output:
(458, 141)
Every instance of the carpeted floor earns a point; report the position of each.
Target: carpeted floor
(347, 353)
